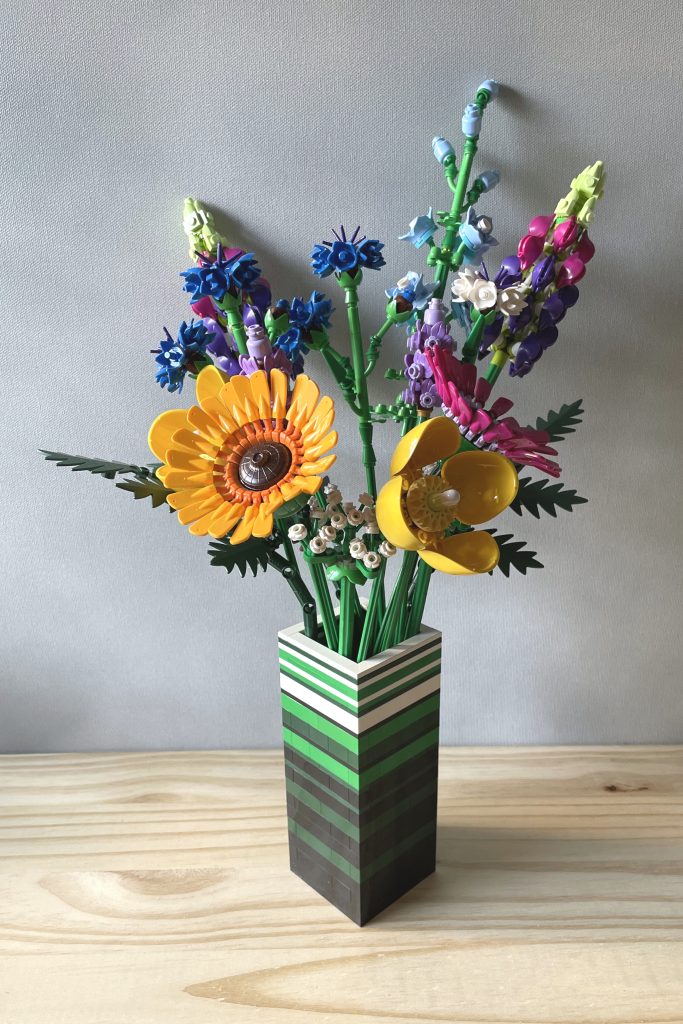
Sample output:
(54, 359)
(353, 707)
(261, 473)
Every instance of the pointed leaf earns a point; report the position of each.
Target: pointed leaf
(559, 424)
(252, 554)
(512, 555)
(546, 496)
(101, 467)
(147, 487)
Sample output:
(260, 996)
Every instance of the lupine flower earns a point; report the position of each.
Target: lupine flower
(421, 229)
(428, 333)
(509, 272)
(346, 255)
(184, 354)
(215, 278)
(412, 289)
(463, 397)
(543, 273)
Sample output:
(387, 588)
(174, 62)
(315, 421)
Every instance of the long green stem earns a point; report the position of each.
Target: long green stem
(346, 618)
(444, 260)
(391, 618)
(230, 305)
(290, 573)
(372, 614)
(420, 588)
(375, 346)
(325, 604)
(361, 387)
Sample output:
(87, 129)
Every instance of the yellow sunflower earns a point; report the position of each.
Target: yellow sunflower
(245, 449)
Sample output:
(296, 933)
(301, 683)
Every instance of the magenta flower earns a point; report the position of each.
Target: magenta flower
(464, 396)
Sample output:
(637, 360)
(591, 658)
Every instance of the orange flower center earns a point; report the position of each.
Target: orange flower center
(256, 459)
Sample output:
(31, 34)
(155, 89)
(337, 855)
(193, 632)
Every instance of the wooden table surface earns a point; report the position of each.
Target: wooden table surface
(154, 889)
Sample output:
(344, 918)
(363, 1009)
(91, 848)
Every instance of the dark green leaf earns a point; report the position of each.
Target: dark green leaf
(147, 487)
(252, 554)
(559, 424)
(79, 464)
(541, 494)
(512, 555)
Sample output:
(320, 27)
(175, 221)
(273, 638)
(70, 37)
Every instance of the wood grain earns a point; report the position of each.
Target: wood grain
(154, 889)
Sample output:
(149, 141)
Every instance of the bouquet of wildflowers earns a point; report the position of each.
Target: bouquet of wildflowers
(246, 462)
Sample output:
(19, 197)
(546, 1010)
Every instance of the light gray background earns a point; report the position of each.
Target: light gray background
(116, 632)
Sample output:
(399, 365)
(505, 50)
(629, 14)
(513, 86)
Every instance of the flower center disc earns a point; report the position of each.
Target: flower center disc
(263, 464)
(423, 510)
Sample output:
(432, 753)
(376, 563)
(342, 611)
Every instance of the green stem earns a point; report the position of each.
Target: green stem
(471, 346)
(361, 387)
(400, 592)
(372, 614)
(421, 586)
(340, 368)
(375, 346)
(322, 592)
(444, 260)
(230, 305)
(498, 361)
(346, 618)
(290, 573)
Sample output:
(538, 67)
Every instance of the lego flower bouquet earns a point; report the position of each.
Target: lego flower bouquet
(246, 460)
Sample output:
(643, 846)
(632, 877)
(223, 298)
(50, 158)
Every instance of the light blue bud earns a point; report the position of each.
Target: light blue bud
(441, 148)
(489, 180)
(491, 87)
(471, 120)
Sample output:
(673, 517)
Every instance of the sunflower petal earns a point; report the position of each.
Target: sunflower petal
(206, 424)
(427, 443)
(224, 519)
(260, 394)
(314, 451)
(278, 392)
(307, 484)
(182, 479)
(191, 513)
(487, 483)
(191, 441)
(244, 530)
(263, 524)
(391, 519)
(161, 431)
(304, 399)
(178, 458)
(317, 465)
(210, 380)
(180, 499)
(464, 554)
(320, 422)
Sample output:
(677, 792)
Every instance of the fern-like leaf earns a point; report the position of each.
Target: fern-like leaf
(147, 487)
(559, 424)
(101, 467)
(252, 554)
(512, 555)
(541, 494)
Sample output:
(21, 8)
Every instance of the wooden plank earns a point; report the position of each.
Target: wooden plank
(145, 888)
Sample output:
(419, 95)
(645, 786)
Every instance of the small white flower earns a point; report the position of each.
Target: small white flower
(511, 301)
(369, 515)
(338, 520)
(462, 286)
(366, 499)
(483, 295)
(333, 494)
(372, 528)
(386, 549)
(297, 532)
(357, 549)
(318, 545)
(354, 517)
(328, 533)
(372, 560)
(319, 513)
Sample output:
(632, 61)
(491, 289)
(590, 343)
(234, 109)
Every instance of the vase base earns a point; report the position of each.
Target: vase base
(363, 900)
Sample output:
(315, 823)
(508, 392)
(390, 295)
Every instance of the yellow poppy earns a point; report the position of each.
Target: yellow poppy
(245, 449)
(416, 509)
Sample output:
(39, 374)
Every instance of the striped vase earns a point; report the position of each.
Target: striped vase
(361, 763)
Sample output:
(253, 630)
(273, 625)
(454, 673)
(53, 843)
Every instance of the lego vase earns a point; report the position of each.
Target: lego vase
(361, 763)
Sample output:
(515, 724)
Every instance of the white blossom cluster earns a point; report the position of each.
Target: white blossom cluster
(340, 520)
(470, 286)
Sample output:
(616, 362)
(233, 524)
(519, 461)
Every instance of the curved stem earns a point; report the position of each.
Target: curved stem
(290, 573)
(372, 614)
(375, 346)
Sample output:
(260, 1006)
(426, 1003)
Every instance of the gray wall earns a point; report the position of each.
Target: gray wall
(289, 118)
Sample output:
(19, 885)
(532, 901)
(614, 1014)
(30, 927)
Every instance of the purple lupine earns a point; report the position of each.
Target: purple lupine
(428, 333)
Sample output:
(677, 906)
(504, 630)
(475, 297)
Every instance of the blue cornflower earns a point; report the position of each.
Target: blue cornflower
(292, 343)
(216, 278)
(344, 255)
(313, 315)
(420, 230)
(178, 356)
(413, 289)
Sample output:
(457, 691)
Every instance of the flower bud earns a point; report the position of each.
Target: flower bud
(442, 148)
(543, 273)
(585, 250)
(571, 271)
(471, 120)
(488, 179)
(490, 86)
(565, 234)
(540, 226)
(529, 249)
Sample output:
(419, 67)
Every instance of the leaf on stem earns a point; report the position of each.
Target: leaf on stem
(252, 554)
(535, 495)
(512, 555)
(559, 424)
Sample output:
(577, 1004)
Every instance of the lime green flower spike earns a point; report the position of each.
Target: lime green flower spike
(586, 188)
(200, 229)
